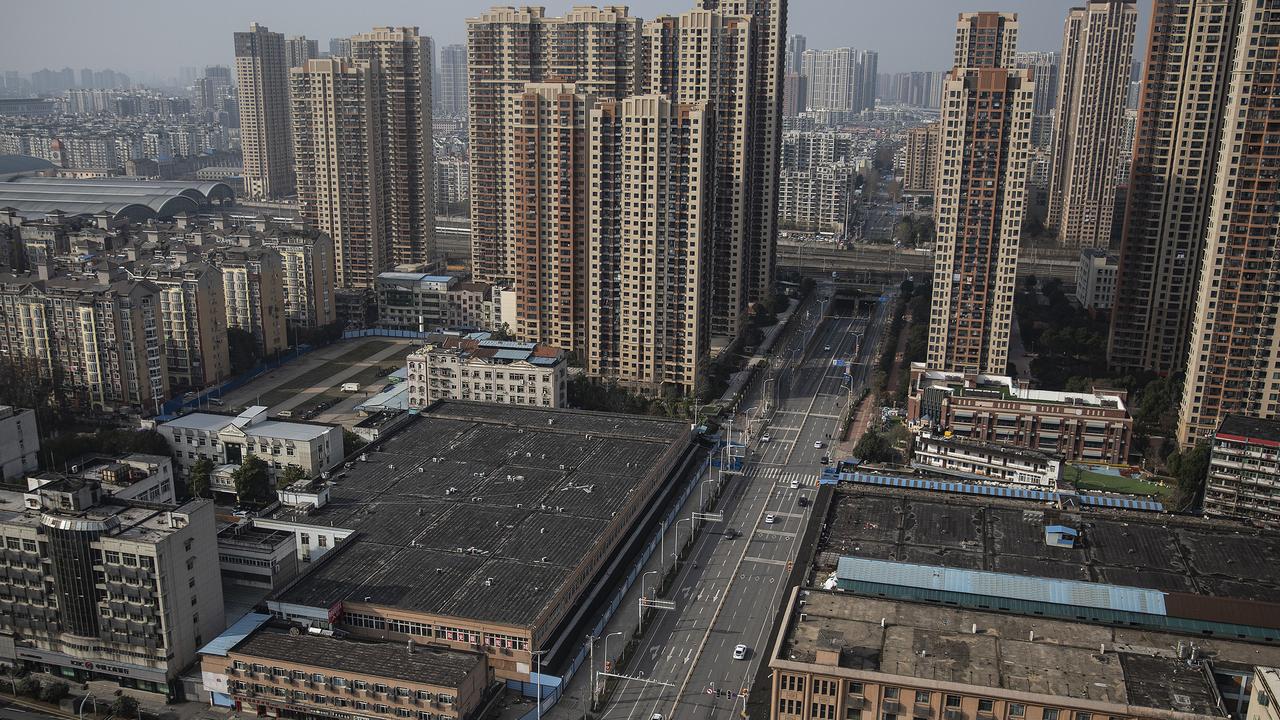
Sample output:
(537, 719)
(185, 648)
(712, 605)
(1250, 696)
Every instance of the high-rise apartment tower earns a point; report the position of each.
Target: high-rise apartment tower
(262, 84)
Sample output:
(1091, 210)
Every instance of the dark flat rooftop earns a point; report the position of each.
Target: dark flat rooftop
(480, 511)
(428, 664)
(1250, 427)
(1161, 552)
(1067, 659)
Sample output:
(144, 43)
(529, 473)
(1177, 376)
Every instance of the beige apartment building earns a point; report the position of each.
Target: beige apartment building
(228, 439)
(100, 588)
(306, 259)
(649, 322)
(1244, 471)
(595, 48)
(400, 63)
(547, 128)
(194, 313)
(1233, 359)
(705, 56)
(1175, 163)
(101, 336)
(921, 174)
(453, 367)
(1097, 50)
(262, 85)
(253, 288)
(338, 147)
(982, 171)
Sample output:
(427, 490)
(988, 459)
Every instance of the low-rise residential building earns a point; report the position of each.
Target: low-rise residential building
(226, 439)
(1096, 278)
(194, 312)
(473, 367)
(103, 588)
(278, 671)
(985, 462)
(1244, 471)
(19, 443)
(1089, 427)
(413, 301)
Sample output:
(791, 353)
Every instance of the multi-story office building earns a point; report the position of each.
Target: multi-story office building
(1096, 279)
(400, 65)
(307, 266)
(1088, 427)
(506, 48)
(1244, 471)
(921, 174)
(1233, 359)
(649, 315)
(253, 288)
(1097, 49)
(982, 170)
(262, 81)
(298, 50)
(337, 143)
(466, 368)
(229, 439)
(101, 588)
(453, 81)
(194, 312)
(19, 443)
(1044, 67)
(705, 56)
(1171, 177)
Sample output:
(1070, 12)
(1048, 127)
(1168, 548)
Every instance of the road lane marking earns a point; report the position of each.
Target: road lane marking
(767, 561)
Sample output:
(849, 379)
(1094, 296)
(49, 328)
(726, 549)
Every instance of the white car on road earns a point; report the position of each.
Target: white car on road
(770, 519)
(740, 652)
(795, 484)
(817, 444)
(765, 438)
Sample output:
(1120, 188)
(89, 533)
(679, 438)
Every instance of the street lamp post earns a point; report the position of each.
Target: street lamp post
(677, 529)
(643, 590)
(80, 712)
(595, 673)
(701, 502)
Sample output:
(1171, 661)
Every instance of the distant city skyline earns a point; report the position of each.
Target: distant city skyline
(899, 31)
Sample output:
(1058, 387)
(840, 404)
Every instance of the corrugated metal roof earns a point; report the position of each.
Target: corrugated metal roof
(1016, 493)
(232, 636)
(1002, 585)
(507, 354)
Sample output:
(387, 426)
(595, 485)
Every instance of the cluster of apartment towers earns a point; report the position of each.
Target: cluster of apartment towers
(623, 172)
(1198, 286)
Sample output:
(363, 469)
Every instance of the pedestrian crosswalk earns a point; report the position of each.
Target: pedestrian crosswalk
(783, 475)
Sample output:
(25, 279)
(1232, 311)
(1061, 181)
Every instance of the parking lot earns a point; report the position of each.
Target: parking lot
(310, 387)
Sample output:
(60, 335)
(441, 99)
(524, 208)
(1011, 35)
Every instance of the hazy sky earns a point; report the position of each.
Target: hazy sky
(159, 36)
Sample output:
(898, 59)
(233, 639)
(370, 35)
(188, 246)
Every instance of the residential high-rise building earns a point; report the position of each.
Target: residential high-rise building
(796, 45)
(1233, 359)
(298, 50)
(1097, 49)
(595, 48)
(306, 257)
(831, 76)
(704, 56)
(253, 288)
(340, 47)
(1044, 67)
(400, 63)
(262, 82)
(983, 147)
(547, 128)
(649, 315)
(338, 146)
(793, 94)
(768, 33)
(195, 323)
(453, 81)
(1171, 180)
(864, 83)
(921, 173)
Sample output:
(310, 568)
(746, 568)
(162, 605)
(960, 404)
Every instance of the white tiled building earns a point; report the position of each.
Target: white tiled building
(471, 368)
(229, 439)
(1096, 279)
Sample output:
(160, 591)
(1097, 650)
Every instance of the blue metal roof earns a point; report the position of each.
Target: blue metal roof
(1015, 493)
(1002, 585)
(232, 636)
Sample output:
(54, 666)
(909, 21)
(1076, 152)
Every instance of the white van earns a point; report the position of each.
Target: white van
(350, 387)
